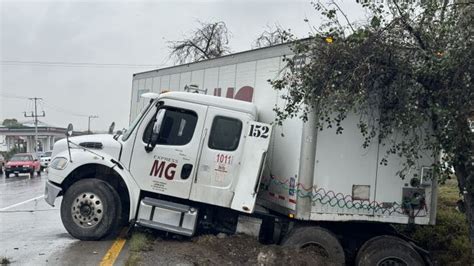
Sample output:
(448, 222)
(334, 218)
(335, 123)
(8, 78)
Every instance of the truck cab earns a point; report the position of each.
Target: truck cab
(184, 153)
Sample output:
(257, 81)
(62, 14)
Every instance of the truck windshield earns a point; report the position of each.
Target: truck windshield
(135, 122)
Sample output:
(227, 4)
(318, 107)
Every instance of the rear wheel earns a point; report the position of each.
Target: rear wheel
(388, 250)
(317, 239)
(91, 209)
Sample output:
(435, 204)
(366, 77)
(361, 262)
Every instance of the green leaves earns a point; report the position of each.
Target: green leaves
(375, 22)
(415, 69)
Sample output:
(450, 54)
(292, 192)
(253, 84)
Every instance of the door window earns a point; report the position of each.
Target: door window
(225, 133)
(176, 126)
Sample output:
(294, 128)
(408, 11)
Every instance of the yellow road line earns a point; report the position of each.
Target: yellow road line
(112, 254)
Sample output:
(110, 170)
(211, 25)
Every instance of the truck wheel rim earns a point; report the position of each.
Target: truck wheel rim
(87, 210)
(392, 261)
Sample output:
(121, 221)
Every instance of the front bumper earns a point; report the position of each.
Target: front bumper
(51, 192)
(18, 170)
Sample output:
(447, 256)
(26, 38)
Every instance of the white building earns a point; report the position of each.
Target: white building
(24, 137)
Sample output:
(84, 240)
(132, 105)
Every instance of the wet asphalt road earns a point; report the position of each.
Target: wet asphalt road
(31, 232)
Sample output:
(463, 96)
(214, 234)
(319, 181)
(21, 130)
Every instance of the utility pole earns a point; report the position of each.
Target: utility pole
(89, 123)
(35, 115)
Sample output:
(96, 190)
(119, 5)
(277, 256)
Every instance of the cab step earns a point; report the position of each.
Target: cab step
(167, 216)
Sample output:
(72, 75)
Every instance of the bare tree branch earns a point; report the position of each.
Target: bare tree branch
(209, 41)
(272, 36)
(345, 16)
(410, 29)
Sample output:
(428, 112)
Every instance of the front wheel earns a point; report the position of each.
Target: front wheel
(91, 209)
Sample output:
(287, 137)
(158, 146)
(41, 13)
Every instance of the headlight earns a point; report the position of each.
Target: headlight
(59, 163)
(26, 166)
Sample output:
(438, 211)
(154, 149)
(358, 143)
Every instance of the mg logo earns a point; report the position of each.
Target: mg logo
(244, 94)
(163, 168)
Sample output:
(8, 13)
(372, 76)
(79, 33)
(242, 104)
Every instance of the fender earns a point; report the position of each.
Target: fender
(82, 158)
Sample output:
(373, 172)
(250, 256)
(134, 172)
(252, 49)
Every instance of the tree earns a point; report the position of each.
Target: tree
(272, 36)
(11, 123)
(210, 40)
(411, 59)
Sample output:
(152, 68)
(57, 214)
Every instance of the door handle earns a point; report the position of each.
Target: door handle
(186, 171)
(201, 145)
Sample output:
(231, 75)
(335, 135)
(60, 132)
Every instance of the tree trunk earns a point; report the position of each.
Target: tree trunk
(465, 187)
(464, 169)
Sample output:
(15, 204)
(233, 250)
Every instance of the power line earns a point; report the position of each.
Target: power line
(43, 103)
(12, 96)
(74, 64)
(62, 110)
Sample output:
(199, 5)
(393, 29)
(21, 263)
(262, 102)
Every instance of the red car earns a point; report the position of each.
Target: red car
(2, 162)
(23, 163)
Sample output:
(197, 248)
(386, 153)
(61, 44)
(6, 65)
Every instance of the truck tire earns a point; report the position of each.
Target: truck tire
(388, 250)
(316, 237)
(91, 209)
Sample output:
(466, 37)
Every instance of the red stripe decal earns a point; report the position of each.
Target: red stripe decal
(292, 201)
(281, 197)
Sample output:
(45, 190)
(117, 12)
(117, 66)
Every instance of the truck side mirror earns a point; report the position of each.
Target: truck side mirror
(111, 128)
(69, 130)
(155, 132)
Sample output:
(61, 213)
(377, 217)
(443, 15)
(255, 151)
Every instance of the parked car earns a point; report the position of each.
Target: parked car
(2, 163)
(45, 159)
(23, 163)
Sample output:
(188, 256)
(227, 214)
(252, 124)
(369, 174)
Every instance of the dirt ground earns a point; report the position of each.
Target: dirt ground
(220, 250)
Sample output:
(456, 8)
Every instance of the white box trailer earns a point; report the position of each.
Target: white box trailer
(204, 155)
(310, 175)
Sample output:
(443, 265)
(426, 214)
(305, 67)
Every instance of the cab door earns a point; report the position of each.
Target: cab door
(169, 167)
(220, 158)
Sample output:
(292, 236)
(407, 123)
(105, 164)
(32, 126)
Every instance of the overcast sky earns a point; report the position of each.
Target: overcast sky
(114, 32)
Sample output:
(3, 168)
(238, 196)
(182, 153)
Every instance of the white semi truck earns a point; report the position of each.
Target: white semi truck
(201, 153)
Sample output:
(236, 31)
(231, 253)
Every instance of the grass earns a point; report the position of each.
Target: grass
(4, 261)
(139, 242)
(448, 240)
